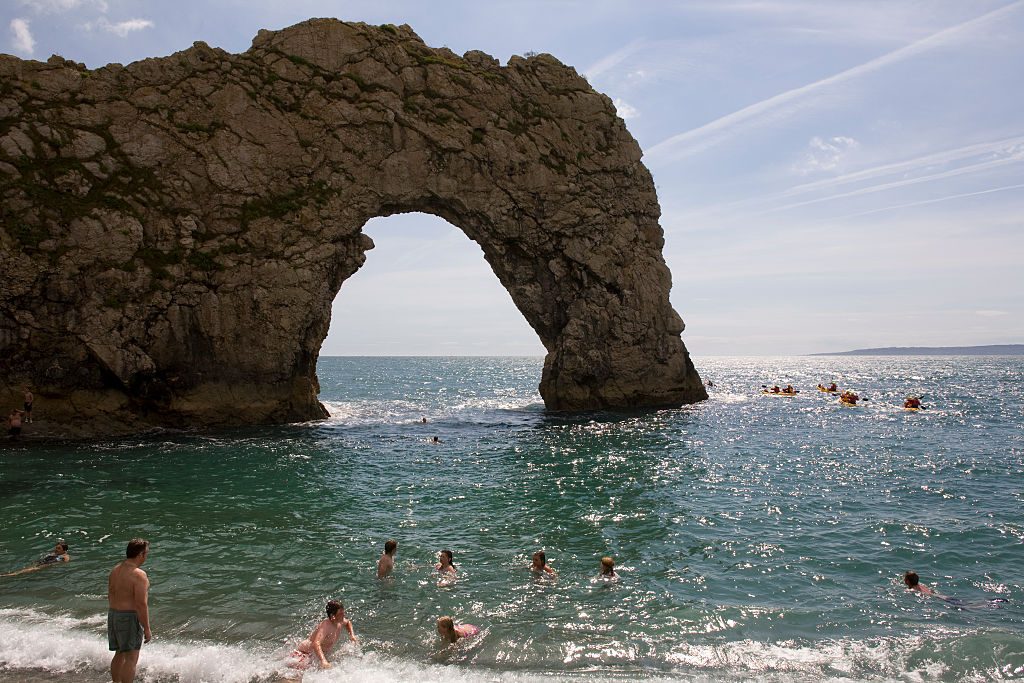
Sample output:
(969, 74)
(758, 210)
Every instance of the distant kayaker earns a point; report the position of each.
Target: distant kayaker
(776, 389)
(912, 402)
(849, 397)
(789, 389)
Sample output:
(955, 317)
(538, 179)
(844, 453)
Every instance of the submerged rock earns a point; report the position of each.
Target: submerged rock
(174, 231)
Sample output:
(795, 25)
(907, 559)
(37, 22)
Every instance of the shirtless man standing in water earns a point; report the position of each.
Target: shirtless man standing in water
(128, 617)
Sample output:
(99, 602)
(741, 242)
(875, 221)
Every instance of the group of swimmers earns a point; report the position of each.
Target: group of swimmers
(315, 648)
(128, 618)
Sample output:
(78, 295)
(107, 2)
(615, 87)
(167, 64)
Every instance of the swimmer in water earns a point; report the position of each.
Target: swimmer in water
(322, 639)
(451, 633)
(445, 563)
(913, 582)
(58, 555)
(386, 563)
(540, 564)
(608, 568)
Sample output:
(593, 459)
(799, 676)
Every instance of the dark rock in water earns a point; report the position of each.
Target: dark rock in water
(174, 231)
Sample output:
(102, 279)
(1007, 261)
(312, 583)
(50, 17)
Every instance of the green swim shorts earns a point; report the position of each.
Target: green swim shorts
(124, 631)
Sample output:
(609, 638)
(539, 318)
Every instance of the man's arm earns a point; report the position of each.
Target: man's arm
(351, 632)
(142, 604)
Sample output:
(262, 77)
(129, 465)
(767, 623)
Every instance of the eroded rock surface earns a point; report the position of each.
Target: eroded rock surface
(174, 231)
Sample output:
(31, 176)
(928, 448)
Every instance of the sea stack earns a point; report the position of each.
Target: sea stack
(174, 231)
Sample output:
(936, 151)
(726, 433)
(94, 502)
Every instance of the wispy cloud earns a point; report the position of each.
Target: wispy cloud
(22, 37)
(934, 200)
(609, 62)
(53, 6)
(825, 154)
(789, 102)
(991, 313)
(1010, 148)
(881, 187)
(625, 109)
(121, 28)
(965, 160)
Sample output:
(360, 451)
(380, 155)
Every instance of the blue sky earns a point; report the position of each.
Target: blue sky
(832, 175)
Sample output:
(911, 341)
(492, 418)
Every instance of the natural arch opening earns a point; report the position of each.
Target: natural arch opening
(425, 290)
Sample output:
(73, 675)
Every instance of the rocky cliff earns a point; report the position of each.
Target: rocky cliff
(174, 231)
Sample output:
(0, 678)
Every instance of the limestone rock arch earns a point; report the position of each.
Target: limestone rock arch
(175, 231)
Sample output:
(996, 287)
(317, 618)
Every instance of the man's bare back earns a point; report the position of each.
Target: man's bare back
(127, 587)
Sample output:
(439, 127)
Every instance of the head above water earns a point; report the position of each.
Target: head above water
(62, 545)
(540, 560)
(333, 607)
(607, 565)
(446, 555)
(446, 628)
(390, 546)
(911, 579)
(136, 548)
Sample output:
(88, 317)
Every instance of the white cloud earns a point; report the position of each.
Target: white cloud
(787, 103)
(53, 6)
(625, 109)
(23, 40)
(121, 28)
(611, 61)
(825, 154)
(991, 314)
(934, 200)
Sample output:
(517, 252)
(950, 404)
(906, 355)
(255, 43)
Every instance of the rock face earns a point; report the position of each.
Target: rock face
(174, 231)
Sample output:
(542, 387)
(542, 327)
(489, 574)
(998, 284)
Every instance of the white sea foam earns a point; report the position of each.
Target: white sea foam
(34, 641)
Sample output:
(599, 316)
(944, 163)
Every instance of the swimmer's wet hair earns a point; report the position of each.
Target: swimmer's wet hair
(543, 558)
(136, 547)
(451, 557)
(62, 545)
(332, 608)
(911, 579)
(390, 545)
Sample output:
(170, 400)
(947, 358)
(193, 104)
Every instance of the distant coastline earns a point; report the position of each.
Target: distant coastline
(989, 350)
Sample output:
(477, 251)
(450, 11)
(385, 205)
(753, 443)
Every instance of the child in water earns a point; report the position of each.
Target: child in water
(608, 568)
(322, 639)
(451, 633)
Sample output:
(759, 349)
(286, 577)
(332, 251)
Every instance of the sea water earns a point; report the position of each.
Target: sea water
(756, 537)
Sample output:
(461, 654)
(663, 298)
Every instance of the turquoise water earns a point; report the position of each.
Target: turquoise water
(756, 537)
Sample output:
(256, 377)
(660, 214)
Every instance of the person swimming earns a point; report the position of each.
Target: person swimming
(58, 555)
(315, 648)
(450, 632)
(539, 564)
(445, 563)
(913, 582)
(608, 568)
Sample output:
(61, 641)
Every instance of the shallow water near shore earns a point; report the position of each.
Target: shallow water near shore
(757, 537)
